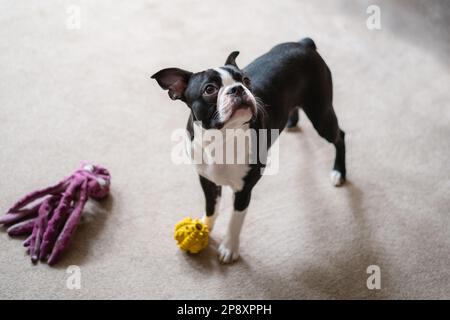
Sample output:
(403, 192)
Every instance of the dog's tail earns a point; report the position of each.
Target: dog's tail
(308, 42)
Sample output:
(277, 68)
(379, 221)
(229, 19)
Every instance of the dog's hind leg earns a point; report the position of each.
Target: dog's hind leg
(325, 122)
(319, 109)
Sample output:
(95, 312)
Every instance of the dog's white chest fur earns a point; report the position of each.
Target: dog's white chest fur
(228, 173)
(225, 174)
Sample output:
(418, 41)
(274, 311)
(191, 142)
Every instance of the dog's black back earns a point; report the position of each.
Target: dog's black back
(291, 75)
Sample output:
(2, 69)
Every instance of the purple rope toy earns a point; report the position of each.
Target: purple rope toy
(53, 216)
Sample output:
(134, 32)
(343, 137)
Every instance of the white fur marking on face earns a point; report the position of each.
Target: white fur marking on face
(227, 79)
(224, 106)
(229, 248)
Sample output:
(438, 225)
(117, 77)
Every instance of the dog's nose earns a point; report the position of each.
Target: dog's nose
(237, 91)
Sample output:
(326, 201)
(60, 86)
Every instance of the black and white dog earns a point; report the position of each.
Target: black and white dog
(267, 94)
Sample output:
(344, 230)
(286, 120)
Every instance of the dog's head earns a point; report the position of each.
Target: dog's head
(219, 98)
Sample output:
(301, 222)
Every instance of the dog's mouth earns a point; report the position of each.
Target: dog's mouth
(235, 112)
(241, 108)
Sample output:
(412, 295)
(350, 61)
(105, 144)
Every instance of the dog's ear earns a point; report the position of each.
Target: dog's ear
(231, 60)
(173, 79)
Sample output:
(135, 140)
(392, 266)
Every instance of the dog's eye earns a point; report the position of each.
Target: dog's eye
(246, 81)
(210, 90)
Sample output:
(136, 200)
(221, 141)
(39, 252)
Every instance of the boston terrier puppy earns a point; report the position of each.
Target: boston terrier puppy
(267, 94)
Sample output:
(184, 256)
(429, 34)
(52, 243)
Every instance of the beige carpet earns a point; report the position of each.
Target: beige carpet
(69, 95)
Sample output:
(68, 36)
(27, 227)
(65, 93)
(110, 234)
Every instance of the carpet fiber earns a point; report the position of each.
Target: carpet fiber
(68, 95)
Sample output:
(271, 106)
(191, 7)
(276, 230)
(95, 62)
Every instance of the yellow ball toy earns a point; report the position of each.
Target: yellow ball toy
(191, 235)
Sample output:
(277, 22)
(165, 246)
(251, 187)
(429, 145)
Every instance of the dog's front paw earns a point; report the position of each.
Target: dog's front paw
(208, 222)
(228, 251)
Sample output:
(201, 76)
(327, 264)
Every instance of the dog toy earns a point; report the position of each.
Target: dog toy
(51, 215)
(191, 235)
